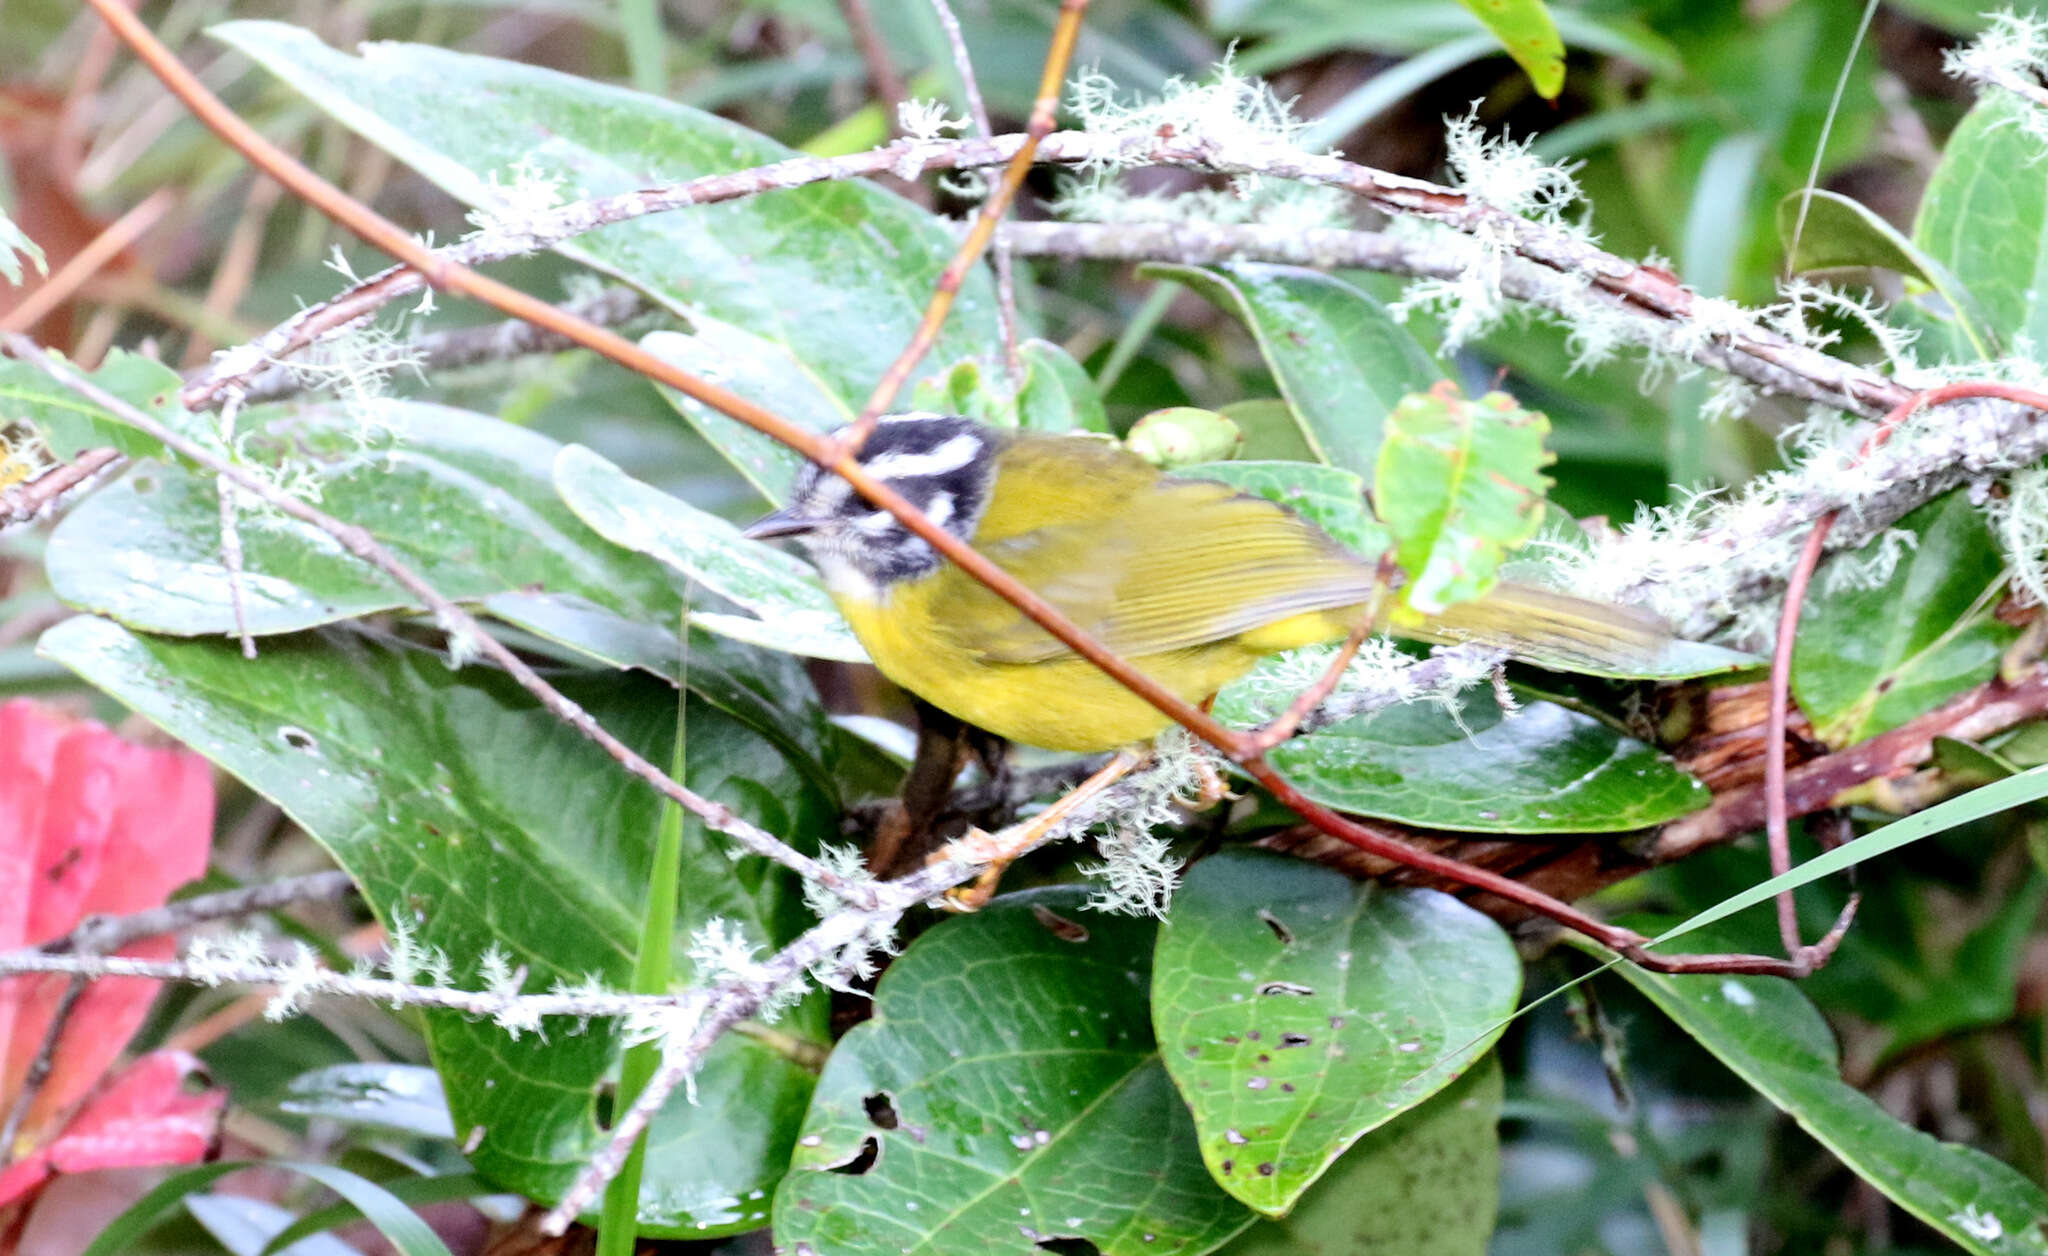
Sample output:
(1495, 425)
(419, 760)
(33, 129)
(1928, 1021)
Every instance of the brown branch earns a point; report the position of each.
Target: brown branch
(874, 54)
(28, 500)
(1044, 111)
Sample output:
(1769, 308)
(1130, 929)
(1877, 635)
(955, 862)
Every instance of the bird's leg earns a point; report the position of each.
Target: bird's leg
(997, 851)
(907, 831)
(1210, 787)
(1283, 726)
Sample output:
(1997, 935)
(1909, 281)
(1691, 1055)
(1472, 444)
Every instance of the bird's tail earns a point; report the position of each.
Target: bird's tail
(1547, 628)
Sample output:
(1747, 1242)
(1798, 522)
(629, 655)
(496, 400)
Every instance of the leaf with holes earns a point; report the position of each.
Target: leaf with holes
(1870, 659)
(791, 608)
(1464, 765)
(1007, 1095)
(1341, 360)
(1459, 483)
(1426, 1183)
(483, 823)
(1297, 1010)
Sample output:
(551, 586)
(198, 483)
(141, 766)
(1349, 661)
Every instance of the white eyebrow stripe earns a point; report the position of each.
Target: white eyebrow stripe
(950, 455)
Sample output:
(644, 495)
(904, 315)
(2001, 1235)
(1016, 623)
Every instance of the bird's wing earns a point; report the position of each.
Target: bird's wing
(1184, 563)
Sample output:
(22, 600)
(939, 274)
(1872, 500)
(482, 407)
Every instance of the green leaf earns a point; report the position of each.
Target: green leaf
(1007, 1092)
(1984, 217)
(1525, 29)
(1459, 484)
(794, 612)
(1868, 660)
(399, 1225)
(412, 1191)
(1426, 1183)
(1058, 395)
(402, 1097)
(1330, 497)
(761, 370)
(1297, 1010)
(1341, 360)
(464, 499)
(476, 819)
(14, 245)
(70, 424)
(1839, 232)
(1770, 1035)
(838, 272)
(1462, 765)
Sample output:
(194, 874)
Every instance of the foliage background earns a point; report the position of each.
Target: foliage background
(1622, 1129)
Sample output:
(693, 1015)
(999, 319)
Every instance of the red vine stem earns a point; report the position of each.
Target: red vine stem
(1777, 820)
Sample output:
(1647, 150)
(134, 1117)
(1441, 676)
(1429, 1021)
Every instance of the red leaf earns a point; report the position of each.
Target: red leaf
(89, 823)
(145, 1116)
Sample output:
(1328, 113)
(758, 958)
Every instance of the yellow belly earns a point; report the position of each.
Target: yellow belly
(1066, 703)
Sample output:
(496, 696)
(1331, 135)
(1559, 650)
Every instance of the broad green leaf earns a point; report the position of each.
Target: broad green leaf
(761, 370)
(794, 612)
(1460, 484)
(1462, 765)
(1765, 1030)
(480, 821)
(1006, 1093)
(1297, 1010)
(1525, 29)
(1984, 217)
(1870, 659)
(1837, 231)
(464, 499)
(70, 424)
(1426, 1183)
(14, 245)
(1341, 360)
(839, 272)
(402, 1097)
(1330, 497)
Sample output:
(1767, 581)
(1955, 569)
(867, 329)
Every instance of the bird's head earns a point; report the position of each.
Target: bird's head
(943, 464)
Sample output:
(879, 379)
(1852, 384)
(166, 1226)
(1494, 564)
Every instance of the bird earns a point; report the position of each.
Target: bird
(1191, 580)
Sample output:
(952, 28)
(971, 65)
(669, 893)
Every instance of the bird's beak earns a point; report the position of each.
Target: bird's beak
(784, 522)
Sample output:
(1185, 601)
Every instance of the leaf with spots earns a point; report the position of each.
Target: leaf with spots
(1297, 1010)
(481, 821)
(1460, 484)
(1427, 1183)
(1007, 1094)
(1526, 29)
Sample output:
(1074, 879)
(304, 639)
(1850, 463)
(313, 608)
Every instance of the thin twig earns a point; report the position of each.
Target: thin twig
(231, 532)
(27, 501)
(874, 54)
(1044, 112)
(1006, 278)
(452, 618)
(39, 1067)
(102, 934)
(88, 261)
